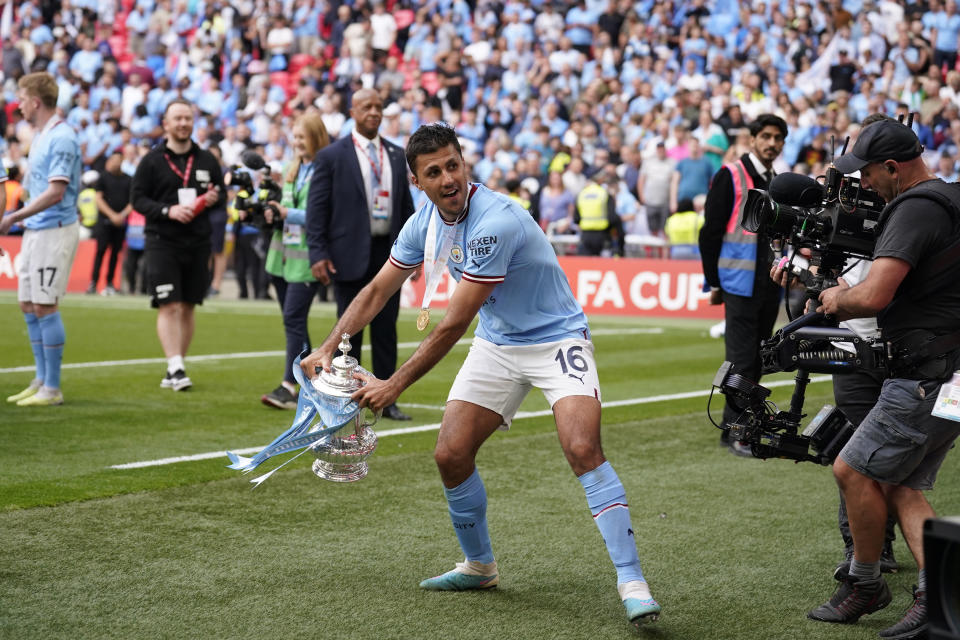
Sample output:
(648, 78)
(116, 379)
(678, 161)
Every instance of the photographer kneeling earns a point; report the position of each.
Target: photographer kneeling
(288, 261)
(914, 290)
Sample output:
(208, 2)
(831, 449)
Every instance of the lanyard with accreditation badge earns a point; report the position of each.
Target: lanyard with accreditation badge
(380, 195)
(435, 264)
(185, 196)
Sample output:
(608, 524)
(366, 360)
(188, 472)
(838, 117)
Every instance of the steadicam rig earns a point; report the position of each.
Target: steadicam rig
(808, 344)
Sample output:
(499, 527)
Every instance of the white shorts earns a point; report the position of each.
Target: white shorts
(499, 377)
(46, 257)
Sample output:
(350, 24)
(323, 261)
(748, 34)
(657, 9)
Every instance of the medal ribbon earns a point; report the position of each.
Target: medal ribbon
(435, 265)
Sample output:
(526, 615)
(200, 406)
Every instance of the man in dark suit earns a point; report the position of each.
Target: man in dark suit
(359, 200)
(736, 263)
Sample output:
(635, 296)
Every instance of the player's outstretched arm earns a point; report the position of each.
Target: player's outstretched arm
(463, 308)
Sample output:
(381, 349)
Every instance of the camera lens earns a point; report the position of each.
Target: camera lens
(761, 212)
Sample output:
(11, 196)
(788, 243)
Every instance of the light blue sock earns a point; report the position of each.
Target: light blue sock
(36, 344)
(608, 504)
(468, 511)
(54, 335)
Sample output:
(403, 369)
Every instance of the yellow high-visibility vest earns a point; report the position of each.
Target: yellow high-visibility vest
(592, 204)
(87, 205)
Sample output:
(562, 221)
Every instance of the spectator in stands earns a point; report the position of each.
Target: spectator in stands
(653, 187)
(556, 205)
(691, 177)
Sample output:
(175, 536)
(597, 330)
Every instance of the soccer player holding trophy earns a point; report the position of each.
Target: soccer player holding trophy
(531, 333)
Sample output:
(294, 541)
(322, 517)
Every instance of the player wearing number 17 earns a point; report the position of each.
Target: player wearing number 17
(531, 333)
(50, 237)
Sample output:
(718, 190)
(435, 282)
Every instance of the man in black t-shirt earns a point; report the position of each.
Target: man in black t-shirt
(896, 451)
(113, 204)
(843, 74)
(175, 186)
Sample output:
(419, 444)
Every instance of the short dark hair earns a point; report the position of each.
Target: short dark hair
(429, 138)
(182, 101)
(768, 120)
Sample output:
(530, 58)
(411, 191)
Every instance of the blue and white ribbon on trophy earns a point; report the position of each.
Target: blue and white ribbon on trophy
(333, 412)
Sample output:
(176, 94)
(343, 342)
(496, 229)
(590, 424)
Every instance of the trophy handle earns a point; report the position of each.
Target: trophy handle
(367, 418)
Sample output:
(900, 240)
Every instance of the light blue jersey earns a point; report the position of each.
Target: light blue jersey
(54, 155)
(499, 242)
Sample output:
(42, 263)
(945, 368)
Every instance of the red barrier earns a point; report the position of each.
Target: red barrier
(79, 274)
(624, 286)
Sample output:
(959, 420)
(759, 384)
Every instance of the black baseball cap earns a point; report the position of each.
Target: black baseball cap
(879, 141)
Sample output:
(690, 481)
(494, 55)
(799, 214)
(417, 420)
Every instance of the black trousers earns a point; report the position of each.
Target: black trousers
(855, 394)
(248, 265)
(295, 299)
(109, 236)
(749, 321)
(134, 271)
(383, 327)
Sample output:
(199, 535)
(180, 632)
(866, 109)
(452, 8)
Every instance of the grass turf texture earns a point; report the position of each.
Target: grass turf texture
(733, 548)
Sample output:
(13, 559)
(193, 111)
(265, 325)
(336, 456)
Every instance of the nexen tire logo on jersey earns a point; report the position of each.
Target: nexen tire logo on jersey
(484, 246)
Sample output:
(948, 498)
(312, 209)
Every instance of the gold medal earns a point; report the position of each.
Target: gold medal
(423, 319)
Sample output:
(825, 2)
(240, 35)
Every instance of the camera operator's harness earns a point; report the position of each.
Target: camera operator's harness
(907, 356)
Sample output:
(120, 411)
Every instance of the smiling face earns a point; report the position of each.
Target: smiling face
(442, 175)
(178, 123)
(300, 143)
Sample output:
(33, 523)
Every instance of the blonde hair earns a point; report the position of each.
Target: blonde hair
(41, 85)
(316, 136)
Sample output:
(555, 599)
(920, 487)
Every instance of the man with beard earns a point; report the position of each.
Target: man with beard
(174, 186)
(531, 333)
(736, 263)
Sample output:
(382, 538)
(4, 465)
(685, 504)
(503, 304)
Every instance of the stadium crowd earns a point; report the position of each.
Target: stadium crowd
(646, 99)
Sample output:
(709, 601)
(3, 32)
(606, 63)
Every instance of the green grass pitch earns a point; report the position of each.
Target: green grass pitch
(733, 548)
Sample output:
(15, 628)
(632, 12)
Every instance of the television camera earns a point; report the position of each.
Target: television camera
(835, 221)
(807, 344)
(254, 202)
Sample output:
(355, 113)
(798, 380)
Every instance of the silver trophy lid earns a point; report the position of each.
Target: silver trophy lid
(339, 381)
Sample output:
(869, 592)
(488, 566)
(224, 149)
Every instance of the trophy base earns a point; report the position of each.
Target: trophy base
(340, 472)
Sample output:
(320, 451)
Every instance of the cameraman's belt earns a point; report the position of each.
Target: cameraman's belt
(903, 357)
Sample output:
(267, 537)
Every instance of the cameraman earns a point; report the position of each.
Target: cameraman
(914, 291)
(288, 260)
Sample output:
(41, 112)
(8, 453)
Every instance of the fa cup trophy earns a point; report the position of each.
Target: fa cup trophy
(342, 457)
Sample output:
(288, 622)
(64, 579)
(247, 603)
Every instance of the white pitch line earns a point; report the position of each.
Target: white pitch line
(273, 354)
(433, 427)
